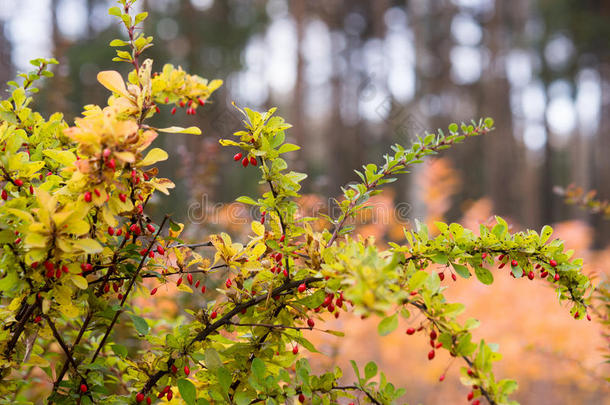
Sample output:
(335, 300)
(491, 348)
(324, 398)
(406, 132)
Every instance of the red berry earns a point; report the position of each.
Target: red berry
(139, 397)
(228, 283)
(110, 231)
(19, 182)
(148, 400)
(282, 238)
(150, 227)
(441, 276)
(514, 263)
(17, 240)
(31, 189)
(64, 268)
(237, 156)
(174, 369)
(106, 288)
(295, 349)
(476, 402)
(201, 101)
(253, 161)
(470, 395)
(49, 266)
(442, 378)
(187, 371)
(553, 263)
(173, 110)
(433, 335)
(37, 319)
(213, 315)
(203, 289)
(144, 252)
(438, 345)
(544, 274)
(530, 275)
(88, 196)
(153, 291)
(244, 162)
(182, 103)
(83, 388)
(197, 283)
(556, 277)
(588, 317)
(4, 195)
(301, 398)
(431, 354)
(179, 281)
(302, 287)
(484, 255)
(189, 278)
(310, 323)
(410, 331)
(454, 277)
(157, 109)
(170, 395)
(111, 164)
(122, 197)
(160, 250)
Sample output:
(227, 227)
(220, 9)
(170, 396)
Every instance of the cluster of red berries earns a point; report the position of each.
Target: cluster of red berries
(278, 268)
(333, 308)
(52, 270)
(190, 106)
(530, 274)
(246, 160)
(189, 278)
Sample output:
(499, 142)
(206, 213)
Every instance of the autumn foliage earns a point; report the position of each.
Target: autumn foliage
(80, 254)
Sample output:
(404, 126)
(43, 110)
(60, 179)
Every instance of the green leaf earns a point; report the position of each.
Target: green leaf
(388, 325)
(440, 258)
(484, 275)
(453, 127)
(417, 280)
(119, 350)
(461, 270)
(545, 234)
(140, 324)
(246, 200)
(370, 370)
(115, 11)
(188, 392)
(258, 368)
(288, 147)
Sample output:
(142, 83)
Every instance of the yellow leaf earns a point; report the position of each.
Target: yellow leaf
(154, 155)
(258, 228)
(180, 130)
(79, 281)
(113, 81)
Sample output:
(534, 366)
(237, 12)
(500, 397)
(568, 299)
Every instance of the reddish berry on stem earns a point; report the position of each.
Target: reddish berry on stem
(244, 162)
(110, 231)
(530, 275)
(19, 182)
(87, 196)
(83, 388)
(302, 287)
(431, 354)
(174, 369)
(189, 278)
(410, 331)
(213, 315)
(441, 275)
(139, 397)
(553, 263)
(237, 156)
(150, 227)
(470, 395)
(556, 277)
(173, 110)
(295, 349)
(514, 263)
(122, 197)
(310, 323)
(187, 371)
(4, 195)
(253, 161)
(301, 398)
(228, 283)
(433, 335)
(153, 291)
(160, 250)
(179, 282)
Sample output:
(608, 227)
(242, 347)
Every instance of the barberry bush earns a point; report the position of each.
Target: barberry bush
(78, 246)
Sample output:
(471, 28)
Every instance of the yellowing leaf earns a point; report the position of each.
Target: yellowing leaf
(113, 81)
(154, 155)
(79, 281)
(180, 130)
(89, 246)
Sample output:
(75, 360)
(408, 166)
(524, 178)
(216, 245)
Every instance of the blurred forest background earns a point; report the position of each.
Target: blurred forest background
(354, 77)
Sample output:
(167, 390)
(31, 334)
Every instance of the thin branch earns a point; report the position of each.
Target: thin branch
(63, 345)
(129, 287)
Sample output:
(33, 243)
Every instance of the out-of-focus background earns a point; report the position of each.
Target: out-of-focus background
(354, 77)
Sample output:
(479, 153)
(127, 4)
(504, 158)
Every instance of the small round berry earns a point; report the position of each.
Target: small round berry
(83, 388)
(553, 263)
(410, 331)
(237, 156)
